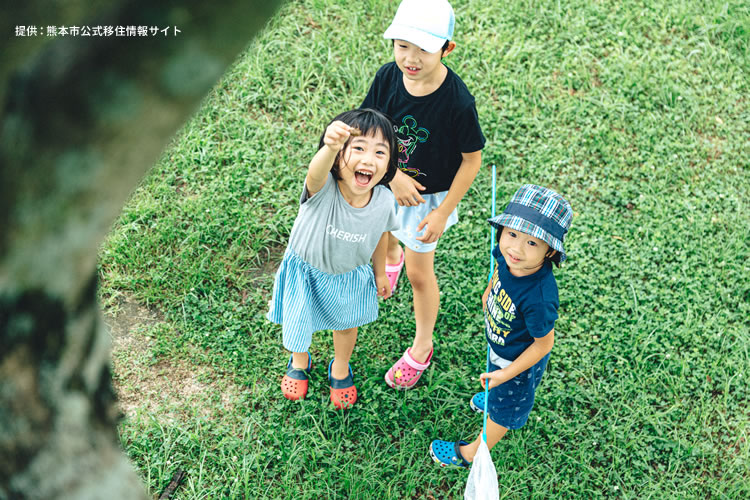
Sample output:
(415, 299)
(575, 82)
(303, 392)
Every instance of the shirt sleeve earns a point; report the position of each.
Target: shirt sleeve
(317, 196)
(370, 98)
(540, 318)
(392, 224)
(496, 252)
(470, 136)
(386, 205)
(373, 95)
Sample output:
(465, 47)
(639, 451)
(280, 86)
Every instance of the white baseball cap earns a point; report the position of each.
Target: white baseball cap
(427, 24)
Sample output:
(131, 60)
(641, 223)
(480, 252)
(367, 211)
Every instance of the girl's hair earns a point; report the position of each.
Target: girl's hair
(369, 122)
(555, 259)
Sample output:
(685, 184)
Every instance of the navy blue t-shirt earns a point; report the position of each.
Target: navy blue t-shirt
(519, 309)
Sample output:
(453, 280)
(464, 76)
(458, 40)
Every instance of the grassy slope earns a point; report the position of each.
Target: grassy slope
(637, 113)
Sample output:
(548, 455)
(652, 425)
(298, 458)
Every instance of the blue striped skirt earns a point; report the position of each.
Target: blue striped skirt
(306, 299)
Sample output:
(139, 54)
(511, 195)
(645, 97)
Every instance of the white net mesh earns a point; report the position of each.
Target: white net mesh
(482, 483)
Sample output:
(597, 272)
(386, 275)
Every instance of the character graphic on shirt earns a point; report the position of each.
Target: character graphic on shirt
(409, 135)
(501, 311)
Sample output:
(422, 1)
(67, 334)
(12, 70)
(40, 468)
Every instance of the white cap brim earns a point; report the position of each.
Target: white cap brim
(425, 41)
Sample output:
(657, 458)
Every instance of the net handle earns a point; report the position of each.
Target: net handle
(489, 280)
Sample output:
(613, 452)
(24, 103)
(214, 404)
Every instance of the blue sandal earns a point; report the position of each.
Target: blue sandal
(295, 382)
(448, 453)
(477, 402)
(343, 392)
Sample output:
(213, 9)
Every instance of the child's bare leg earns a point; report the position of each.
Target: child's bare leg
(393, 254)
(300, 360)
(495, 433)
(343, 347)
(420, 269)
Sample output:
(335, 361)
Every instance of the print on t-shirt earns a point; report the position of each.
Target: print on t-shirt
(500, 312)
(408, 137)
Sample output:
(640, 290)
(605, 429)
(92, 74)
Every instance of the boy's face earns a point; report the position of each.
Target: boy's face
(523, 253)
(417, 64)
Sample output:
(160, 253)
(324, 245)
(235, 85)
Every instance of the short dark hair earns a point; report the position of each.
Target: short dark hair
(555, 259)
(442, 49)
(369, 122)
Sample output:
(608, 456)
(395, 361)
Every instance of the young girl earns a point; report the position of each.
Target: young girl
(325, 281)
(520, 309)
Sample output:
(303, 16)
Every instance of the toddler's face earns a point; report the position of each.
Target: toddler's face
(364, 162)
(523, 253)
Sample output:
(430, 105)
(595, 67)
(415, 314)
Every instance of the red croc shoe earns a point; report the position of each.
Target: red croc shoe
(294, 384)
(343, 392)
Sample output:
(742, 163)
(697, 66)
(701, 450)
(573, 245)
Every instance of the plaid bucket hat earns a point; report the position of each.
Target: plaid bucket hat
(539, 212)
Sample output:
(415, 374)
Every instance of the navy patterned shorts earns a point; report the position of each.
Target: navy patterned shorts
(510, 403)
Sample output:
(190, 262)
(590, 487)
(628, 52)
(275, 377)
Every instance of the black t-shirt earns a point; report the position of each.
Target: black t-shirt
(433, 130)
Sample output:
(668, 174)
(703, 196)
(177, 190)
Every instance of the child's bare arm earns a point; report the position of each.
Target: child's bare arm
(528, 358)
(378, 267)
(334, 139)
(435, 220)
(406, 190)
(466, 174)
(485, 295)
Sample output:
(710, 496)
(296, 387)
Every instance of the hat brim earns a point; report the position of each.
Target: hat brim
(520, 224)
(425, 41)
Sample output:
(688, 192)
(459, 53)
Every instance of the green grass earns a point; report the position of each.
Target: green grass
(636, 111)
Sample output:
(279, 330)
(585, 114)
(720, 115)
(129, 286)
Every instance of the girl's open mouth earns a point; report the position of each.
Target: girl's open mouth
(362, 178)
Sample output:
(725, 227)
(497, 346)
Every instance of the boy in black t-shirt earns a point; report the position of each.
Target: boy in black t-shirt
(440, 144)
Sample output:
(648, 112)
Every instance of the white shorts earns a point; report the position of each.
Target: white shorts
(410, 217)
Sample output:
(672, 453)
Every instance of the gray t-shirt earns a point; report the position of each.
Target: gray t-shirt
(335, 237)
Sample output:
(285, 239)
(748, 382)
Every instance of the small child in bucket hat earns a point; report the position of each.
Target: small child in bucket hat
(520, 309)
(541, 213)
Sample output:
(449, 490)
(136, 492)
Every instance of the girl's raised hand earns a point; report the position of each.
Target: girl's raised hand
(337, 134)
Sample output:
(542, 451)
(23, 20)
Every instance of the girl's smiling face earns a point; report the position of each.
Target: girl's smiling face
(362, 164)
(523, 253)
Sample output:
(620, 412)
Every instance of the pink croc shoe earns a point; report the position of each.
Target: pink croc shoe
(393, 272)
(405, 373)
